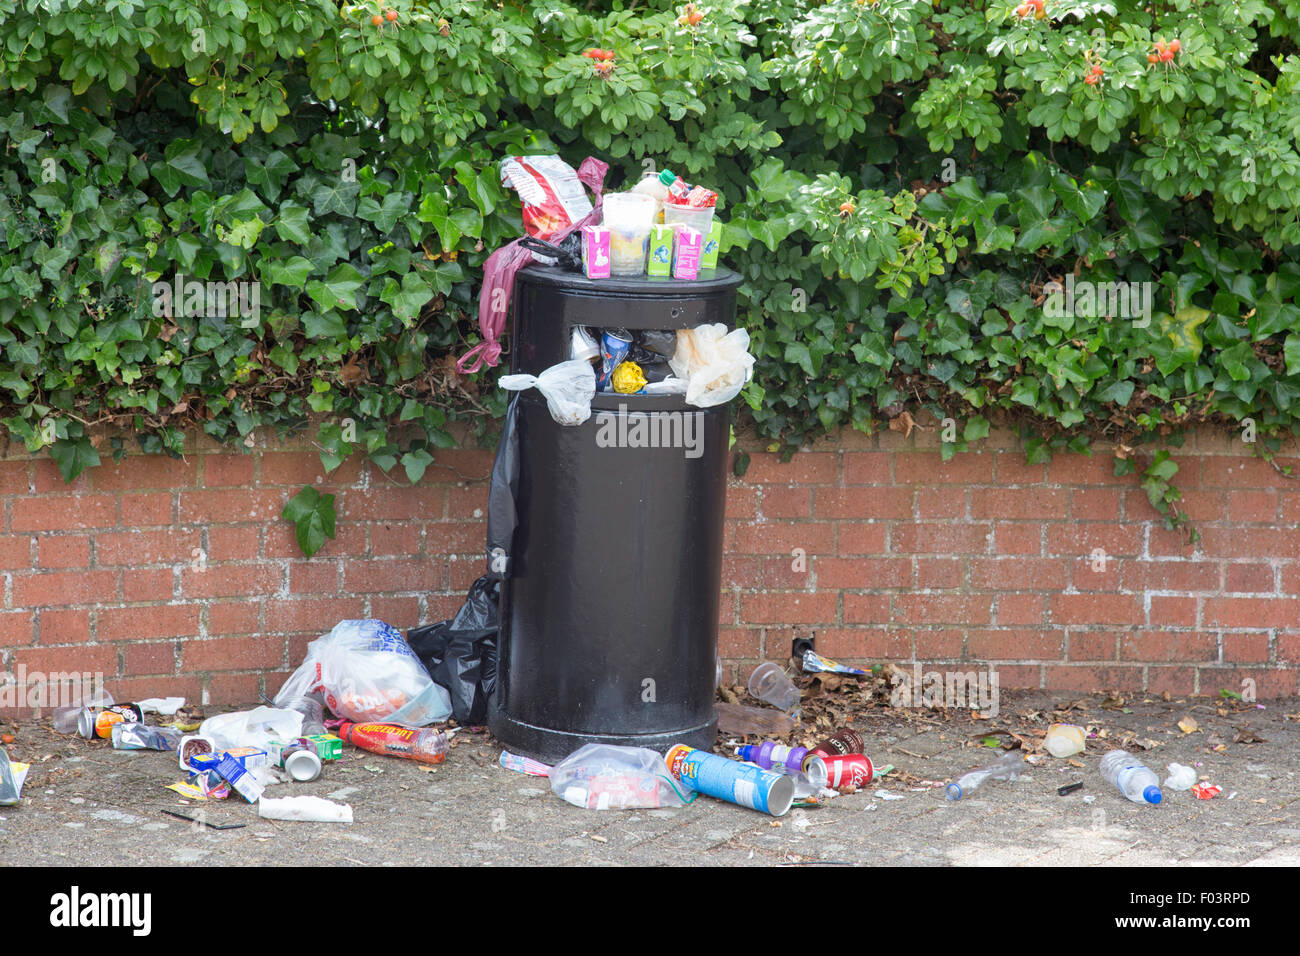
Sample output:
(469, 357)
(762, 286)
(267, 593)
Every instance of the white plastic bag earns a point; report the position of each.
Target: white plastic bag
(605, 777)
(304, 810)
(568, 388)
(715, 363)
(251, 728)
(366, 671)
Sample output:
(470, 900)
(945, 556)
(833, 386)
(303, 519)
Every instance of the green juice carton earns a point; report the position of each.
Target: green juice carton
(660, 260)
(712, 242)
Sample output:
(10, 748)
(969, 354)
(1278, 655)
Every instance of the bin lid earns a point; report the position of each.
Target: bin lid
(710, 282)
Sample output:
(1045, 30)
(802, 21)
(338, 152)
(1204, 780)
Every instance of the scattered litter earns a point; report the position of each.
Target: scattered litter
(165, 706)
(1090, 799)
(12, 777)
(739, 719)
(1180, 777)
(608, 777)
(1064, 740)
(210, 826)
(886, 795)
(304, 810)
(534, 768)
(1069, 788)
(814, 663)
(1007, 768)
(1206, 791)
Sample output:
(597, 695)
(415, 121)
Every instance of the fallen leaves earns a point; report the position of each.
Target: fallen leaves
(1188, 725)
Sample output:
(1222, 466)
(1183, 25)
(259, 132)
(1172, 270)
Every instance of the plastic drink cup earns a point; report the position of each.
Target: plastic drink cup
(769, 684)
(628, 217)
(699, 218)
(584, 345)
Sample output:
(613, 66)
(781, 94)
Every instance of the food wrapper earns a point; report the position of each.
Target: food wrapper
(628, 379)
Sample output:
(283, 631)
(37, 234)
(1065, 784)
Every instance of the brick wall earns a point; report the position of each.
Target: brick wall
(179, 577)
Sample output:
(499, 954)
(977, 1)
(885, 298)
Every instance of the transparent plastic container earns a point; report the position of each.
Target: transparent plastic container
(1131, 777)
(1006, 768)
(769, 684)
(628, 216)
(697, 218)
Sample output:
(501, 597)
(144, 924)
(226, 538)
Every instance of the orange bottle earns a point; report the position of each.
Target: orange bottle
(391, 740)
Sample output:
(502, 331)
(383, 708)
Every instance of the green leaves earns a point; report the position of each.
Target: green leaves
(312, 515)
(73, 456)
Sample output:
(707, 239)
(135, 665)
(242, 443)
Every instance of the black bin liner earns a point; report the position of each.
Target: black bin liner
(461, 654)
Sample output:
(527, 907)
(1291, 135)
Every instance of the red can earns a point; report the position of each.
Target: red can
(848, 770)
(845, 742)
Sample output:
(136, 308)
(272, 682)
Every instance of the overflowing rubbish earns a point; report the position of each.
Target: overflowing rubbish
(461, 654)
(313, 714)
(1131, 777)
(95, 722)
(67, 720)
(740, 719)
(1008, 767)
(251, 728)
(782, 759)
(568, 388)
(714, 363)
(304, 809)
(1064, 740)
(391, 740)
(131, 736)
(814, 663)
(1180, 777)
(740, 783)
(534, 768)
(769, 684)
(240, 778)
(366, 672)
(299, 758)
(607, 777)
(628, 218)
(12, 776)
(551, 192)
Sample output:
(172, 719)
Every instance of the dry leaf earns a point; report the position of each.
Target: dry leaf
(903, 423)
(1188, 725)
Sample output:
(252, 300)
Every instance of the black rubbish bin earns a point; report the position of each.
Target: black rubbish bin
(609, 610)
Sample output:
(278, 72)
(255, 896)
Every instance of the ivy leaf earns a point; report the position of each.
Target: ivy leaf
(312, 514)
(416, 462)
(73, 456)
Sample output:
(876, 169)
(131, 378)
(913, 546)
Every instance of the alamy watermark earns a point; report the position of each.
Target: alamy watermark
(624, 429)
(235, 299)
(974, 689)
(37, 689)
(1123, 300)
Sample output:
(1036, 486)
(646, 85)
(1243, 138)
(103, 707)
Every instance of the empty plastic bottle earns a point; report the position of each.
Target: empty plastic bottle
(1132, 777)
(1006, 768)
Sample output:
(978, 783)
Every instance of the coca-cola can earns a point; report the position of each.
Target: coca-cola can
(848, 770)
(845, 742)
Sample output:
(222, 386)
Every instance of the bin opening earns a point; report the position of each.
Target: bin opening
(707, 364)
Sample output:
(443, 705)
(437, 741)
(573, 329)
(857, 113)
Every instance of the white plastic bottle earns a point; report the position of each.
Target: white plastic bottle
(1131, 777)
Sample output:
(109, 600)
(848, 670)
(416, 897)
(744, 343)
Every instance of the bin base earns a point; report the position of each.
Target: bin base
(552, 746)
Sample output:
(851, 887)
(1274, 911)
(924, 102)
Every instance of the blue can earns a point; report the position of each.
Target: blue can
(742, 784)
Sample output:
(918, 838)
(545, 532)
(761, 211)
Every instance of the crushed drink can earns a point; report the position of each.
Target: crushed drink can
(614, 346)
(595, 252)
(660, 261)
(686, 253)
(94, 722)
(712, 245)
(848, 770)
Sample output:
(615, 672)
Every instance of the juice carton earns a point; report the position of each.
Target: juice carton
(712, 242)
(595, 252)
(686, 257)
(661, 250)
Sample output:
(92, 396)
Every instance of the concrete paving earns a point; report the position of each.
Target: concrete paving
(89, 805)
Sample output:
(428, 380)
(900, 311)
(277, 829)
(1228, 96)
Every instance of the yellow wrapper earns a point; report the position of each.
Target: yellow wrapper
(628, 379)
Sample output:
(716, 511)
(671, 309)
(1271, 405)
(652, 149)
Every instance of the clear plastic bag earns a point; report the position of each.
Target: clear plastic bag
(567, 387)
(251, 728)
(365, 671)
(715, 363)
(606, 777)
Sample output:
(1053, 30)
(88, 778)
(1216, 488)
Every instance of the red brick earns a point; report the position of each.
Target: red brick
(743, 572)
(1251, 612)
(15, 478)
(1034, 501)
(1162, 646)
(232, 506)
(1018, 538)
(781, 502)
(173, 546)
(281, 541)
(237, 690)
(228, 471)
(1096, 504)
(16, 552)
(393, 539)
(1019, 608)
(367, 577)
(785, 574)
(1258, 542)
(1269, 681)
(1289, 507)
(1178, 681)
(232, 653)
(1249, 577)
(1253, 507)
(462, 572)
(314, 615)
(1201, 507)
(467, 463)
(789, 607)
(742, 500)
(866, 467)
(443, 607)
(139, 688)
(770, 537)
(235, 617)
(463, 502)
(1072, 539)
(1092, 645)
(939, 572)
(63, 550)
(861, 573)
(455, 537)
(1224, 471)
(1179, 575)
(57, 588)
(231, 580)
(736, 642)
(315, 576)
(938, 644)
(1093, 680)
(1172, 611)
(296, 469)
(230, 544)
(866, 609)
(1019, 676)
(912, 608)
(1084, 470)
(46, 477)
(65, 512)
(1016, 645)
(803, 468)
(142, 473)
(148, 510)
(863, 502)
(860, 537)
(1288, 647)
(143, 623)
(864, 644)
(1021, 574)
(81, 658)
(1115, 609)
(153, 658)
(933, 503)
(939, 537)
(1095, 573)
(1245, 648)
(1012, 469)
(928, 468)
(58, 626)
(148, 584)
(401, 612)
